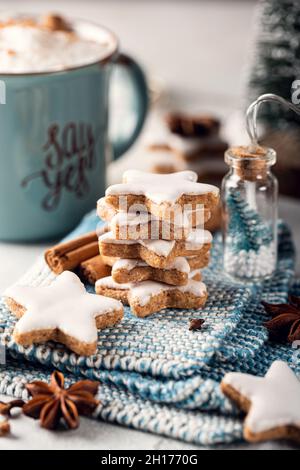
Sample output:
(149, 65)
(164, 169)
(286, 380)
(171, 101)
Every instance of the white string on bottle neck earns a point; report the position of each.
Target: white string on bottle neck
(252, 111)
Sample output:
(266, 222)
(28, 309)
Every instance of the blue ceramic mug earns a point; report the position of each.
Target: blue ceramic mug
(54, 143)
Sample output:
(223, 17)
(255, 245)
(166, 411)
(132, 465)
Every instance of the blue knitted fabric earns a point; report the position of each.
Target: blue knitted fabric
(157, 375)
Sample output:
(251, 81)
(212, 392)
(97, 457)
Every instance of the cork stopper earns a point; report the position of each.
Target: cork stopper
(251, 162)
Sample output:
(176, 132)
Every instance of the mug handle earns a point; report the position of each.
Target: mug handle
(121, 141)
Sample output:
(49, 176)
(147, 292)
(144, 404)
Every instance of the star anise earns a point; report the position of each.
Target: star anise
(196, 324)
(6, 407)
(285, 322)
(52, 403)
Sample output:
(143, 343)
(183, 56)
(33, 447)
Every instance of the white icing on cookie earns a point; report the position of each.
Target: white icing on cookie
(108, 237)
(161, 188)
(128, 264)
(159, 247)
(64, 305)
(198, 237)
(198, 288)
(275, 398)
(111, 284)
(143, 291)
(179, 263)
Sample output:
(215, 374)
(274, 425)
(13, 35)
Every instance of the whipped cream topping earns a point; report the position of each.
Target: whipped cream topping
(31, 48)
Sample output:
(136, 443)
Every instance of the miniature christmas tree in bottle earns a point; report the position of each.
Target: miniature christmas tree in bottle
(249, 200)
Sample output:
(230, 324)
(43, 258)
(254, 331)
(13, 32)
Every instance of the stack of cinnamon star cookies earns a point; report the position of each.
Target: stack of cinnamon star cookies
(156, 244)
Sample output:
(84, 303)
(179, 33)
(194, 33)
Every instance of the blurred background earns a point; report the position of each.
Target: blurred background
(203, 56)
(195, 55)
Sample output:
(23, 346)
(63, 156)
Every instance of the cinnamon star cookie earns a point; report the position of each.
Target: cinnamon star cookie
(272, 403)
(138, 224)
(159, 193)
(177, 273)
(64, 312)
(148, 297)
(158, 253)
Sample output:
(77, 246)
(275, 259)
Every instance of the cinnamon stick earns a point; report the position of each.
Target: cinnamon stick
(67, 256)
(93, 269)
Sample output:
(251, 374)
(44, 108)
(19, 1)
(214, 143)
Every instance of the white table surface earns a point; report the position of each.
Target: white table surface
(197, 51)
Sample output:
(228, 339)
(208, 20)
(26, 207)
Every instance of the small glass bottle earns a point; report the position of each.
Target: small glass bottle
(250, 201)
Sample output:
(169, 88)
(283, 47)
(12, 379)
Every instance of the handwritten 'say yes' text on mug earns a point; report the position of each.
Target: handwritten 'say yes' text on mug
(54, 139)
